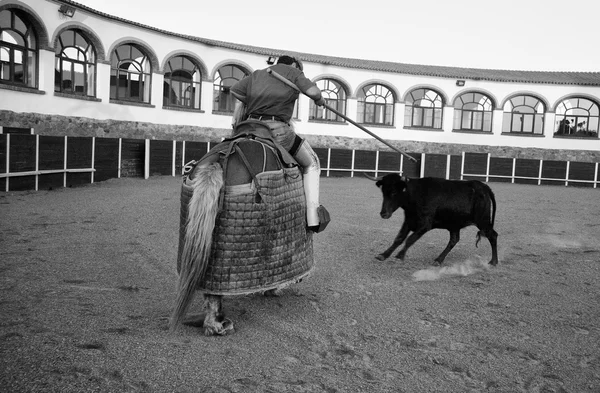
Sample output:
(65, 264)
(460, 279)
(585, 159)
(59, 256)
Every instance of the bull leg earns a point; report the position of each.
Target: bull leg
(416, 235)
(214, 322)
(492, 236)
(454, 238)
(397, 241)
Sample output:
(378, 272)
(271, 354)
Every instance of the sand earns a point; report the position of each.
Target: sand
(87, 281)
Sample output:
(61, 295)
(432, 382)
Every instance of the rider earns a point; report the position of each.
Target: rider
(263, 97)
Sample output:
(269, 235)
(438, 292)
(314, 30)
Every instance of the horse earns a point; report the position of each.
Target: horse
(242, 225)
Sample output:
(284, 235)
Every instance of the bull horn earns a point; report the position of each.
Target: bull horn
(372, 177)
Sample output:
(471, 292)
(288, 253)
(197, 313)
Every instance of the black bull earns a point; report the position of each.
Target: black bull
(430, 203)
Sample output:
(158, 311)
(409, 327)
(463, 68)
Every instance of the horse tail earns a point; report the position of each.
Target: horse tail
(202, 213)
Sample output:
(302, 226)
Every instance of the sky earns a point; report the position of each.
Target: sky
(538, 35)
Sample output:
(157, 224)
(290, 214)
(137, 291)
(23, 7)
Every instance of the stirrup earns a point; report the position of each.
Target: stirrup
(324, 220)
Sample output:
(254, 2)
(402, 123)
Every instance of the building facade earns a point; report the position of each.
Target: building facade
(73, 79)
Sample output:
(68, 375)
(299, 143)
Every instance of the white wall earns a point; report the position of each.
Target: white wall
(111, 33)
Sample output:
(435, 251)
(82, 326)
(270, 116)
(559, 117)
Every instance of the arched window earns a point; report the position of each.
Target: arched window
(473, 112)
(75, 66)
(424, 108)
(183, 82)
(376, 105)
(335, 97)
(226, 77)
(577, 117)
(130, 74)
(18, 49)
(524, 115)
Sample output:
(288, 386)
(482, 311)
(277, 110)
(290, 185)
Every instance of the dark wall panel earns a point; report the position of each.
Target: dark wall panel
(79, 153)
(22, 153)
(106, 159)
(389, 161)
(435, 165)
(51, 181)
(132, 157)
(21, 183)
(52, 152)
(501, 166)
(525, 167)
(194, 151)
(341, 159)
(455, 167)
(552, 183)
(411, 168)
(476, 163)
(365, 159)
(161, 158)
(554, 169)
(581, 171)
(333, 173)
(78, 178)
(178, 158)
(3, 154)
(526, 181)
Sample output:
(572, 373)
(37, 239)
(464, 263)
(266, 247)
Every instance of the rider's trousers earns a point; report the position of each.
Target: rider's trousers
(284, 134)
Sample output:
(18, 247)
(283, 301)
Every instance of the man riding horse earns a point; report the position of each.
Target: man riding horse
(263, 97)
(249, 206)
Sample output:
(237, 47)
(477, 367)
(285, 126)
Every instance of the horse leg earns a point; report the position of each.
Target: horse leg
(215, 322)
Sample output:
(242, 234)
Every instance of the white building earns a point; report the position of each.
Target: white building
(68, 70)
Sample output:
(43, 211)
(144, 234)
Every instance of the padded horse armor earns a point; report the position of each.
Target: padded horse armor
(260, 239)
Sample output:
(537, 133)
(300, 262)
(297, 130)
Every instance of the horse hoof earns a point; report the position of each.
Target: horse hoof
(380, 257)
(219, 328)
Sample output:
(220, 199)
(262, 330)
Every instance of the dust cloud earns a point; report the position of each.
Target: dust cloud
(463, 268)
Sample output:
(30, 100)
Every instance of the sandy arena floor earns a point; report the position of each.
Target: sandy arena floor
(87, 280)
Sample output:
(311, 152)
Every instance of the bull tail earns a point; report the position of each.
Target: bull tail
(202, 212)
(484, 205)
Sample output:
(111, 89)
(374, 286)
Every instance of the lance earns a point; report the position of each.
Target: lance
(293, 86)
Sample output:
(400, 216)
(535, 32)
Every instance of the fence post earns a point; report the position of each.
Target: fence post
(119, 159)
(37, 161)
(401, 164)
(146, 158)
(173, 161)
(182, 157)
(65, 164)
(514, 170)
(7, 161)
(93, 158)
